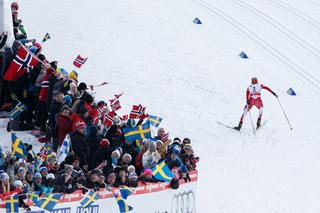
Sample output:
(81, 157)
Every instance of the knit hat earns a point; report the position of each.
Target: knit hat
(177, 140)
(82, 86)
(21, 170)
(159, 142)
(67, 100)
(73, 75)
(152, 144)
(131, 168)
(116, 154)
(50, 176)
(80, 125)
(186, 141)
(147, 172)
(43, 169)
(132, 175)
(4, 176)
(17, 183)
(41, 57)
(188, 147)
(68, 167)
(104, 143)
(37, 175)
(127, 155)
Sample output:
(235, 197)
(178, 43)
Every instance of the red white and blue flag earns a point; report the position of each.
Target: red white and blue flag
(137, 111)
(79, 61)
(108, 119)
(20, 64)
(115, 104)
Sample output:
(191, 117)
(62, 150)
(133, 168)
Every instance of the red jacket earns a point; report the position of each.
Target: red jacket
(45, 85)
(64, 125)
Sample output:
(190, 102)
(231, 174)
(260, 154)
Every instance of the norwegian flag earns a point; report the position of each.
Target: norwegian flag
(118, 96)
(108, 119)
(137, 111)
(115, 105)
(125, 117)
(20, 64)
(79, 61)
(97, 115)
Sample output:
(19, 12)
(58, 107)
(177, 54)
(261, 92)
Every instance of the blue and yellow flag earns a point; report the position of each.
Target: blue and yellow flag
(12, 204)
(162, 172)
(154, 120)
(46, 38)
(138, 132)
(123, 206)
(125, 192)
(49, 201)
(34, 196)
(17, 110)
(90, 198)
(18, 148)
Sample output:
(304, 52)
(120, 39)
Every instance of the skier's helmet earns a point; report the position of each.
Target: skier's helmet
(254, 80)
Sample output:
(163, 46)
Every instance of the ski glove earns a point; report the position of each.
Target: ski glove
(273, 93)
(14, 96)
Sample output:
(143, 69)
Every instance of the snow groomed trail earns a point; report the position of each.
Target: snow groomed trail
(191, 76)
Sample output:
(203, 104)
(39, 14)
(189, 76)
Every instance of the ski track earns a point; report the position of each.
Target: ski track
(302, 15)
(293, 37)
(291, 65)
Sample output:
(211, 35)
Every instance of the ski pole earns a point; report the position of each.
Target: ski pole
(254, 130)
(285, 115)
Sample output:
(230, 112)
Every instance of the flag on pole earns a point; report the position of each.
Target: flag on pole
(12, 204)
(162, 172)
(17, 110)
(89, 199)
(64, 149)
(115, 105)
(137, 132)
(79, 61)
(108, 119)
(49, 201)
(154, 120)
(123, 206)
(18, 148)
(46, 38)
(125, 192)
(137, 111)
(20, 64)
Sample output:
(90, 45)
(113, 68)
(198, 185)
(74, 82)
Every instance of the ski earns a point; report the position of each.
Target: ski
(226, 125)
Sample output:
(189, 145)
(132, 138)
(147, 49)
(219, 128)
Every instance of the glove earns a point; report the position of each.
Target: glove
(14, 96)
(273, 93)
(248, 102)
(25, 93)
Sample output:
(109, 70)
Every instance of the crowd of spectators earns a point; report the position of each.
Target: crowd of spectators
(59, 105)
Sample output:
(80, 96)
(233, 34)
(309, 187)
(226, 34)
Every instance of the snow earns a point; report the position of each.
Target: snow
(192, 76)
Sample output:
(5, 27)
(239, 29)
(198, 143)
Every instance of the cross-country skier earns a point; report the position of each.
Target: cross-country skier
(253, 96)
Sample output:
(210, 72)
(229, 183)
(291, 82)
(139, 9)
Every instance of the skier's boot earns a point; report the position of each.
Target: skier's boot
(239, 126)
(258, 123)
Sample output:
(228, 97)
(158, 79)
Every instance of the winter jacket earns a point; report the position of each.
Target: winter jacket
(80, 147)
(64, 127)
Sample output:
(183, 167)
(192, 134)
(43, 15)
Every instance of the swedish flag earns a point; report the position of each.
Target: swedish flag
(123, 206)
(90, 198)
(49, 201)
(12, 204)
(34, 196)
(154, 120)
(18, 149)
(17, 110)
(162, 172)
(137, 132)
(46, 37)
(125, 192)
